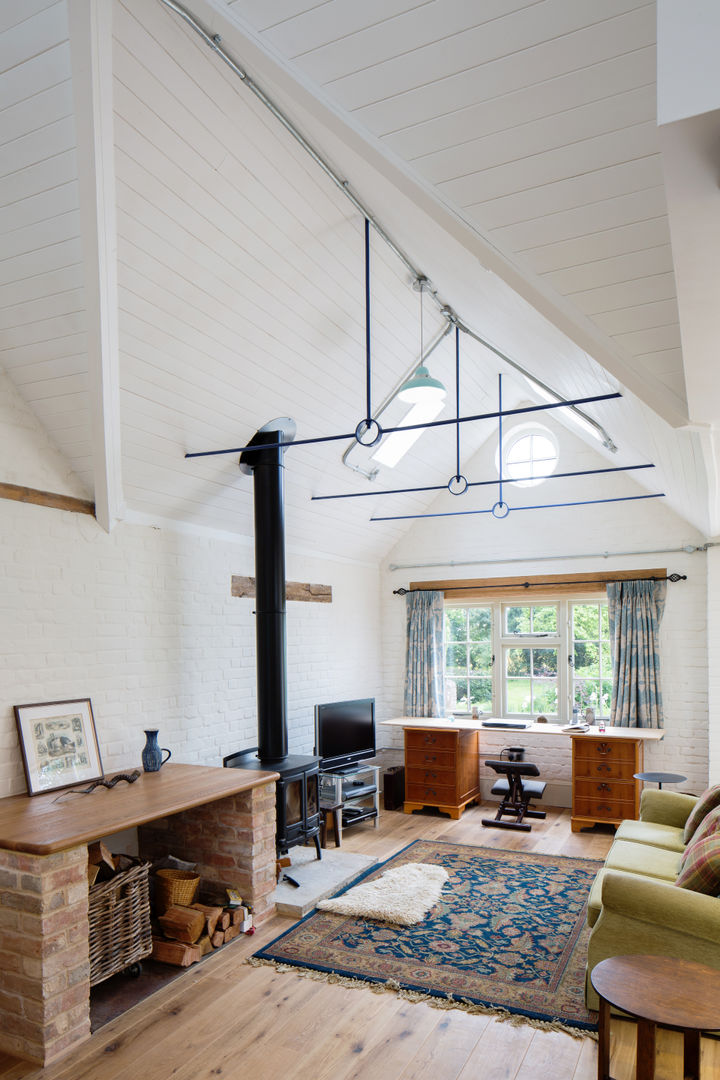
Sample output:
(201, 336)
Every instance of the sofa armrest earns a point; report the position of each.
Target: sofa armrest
(663, 905)
(666, 807)
(646, 915)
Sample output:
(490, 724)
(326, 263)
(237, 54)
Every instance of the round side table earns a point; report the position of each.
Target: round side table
(678, 994)
(660, 778)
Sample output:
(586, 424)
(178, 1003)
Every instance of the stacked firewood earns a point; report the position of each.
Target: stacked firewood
(186, 934)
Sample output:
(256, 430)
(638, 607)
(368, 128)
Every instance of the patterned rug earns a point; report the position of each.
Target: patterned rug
(508, 936)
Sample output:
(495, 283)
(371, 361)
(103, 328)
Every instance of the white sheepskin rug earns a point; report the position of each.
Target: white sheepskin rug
(403, 895)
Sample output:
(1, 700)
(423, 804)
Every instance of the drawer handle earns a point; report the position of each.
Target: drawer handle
(431, 757)
(604, 767)
(604, 787)
(430, 791)
(430, 740)
(430, 776)
(605, 809)
(604, 748)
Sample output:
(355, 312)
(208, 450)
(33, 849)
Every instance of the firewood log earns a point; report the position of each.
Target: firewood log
(175, 952)
(212, 914)
(182, 923)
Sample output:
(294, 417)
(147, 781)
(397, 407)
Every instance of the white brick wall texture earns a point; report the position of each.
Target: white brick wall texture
(143, 623)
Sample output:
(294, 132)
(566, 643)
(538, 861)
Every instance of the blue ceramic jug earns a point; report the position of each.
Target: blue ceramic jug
(152, 755)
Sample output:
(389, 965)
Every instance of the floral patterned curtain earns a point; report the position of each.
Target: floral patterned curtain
(635, 609)
(424, 679)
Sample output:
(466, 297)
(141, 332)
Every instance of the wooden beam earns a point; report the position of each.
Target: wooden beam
(294, 590)
(545, 584)
(47, 498)
(90, 24)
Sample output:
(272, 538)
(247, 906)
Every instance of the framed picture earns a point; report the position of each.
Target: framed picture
(59, 744)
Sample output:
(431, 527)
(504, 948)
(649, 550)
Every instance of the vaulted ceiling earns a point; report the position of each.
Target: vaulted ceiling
(509, 149)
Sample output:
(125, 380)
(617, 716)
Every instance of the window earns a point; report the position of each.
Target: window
(529, 455)
(468, 658)
(522, 659)
(592, 664)
(530, 670)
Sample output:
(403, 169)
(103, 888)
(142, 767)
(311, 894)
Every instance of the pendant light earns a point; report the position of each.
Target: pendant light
(421, 388)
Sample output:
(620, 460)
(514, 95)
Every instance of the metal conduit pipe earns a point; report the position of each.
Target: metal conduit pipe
(688, 549)
(213, 41)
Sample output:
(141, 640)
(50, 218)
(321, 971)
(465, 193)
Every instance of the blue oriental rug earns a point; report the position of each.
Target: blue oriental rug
(508, 935)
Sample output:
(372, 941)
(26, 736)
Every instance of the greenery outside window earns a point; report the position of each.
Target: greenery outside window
(592, 663)
(553, 655)
(468, 658)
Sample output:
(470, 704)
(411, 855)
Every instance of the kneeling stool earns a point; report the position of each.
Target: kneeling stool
(516, 793)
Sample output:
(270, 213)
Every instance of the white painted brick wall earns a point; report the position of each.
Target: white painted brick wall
(143, 623)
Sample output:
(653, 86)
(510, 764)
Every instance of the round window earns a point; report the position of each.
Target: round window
(529, 456)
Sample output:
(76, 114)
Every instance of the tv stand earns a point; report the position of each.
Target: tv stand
(358, 797)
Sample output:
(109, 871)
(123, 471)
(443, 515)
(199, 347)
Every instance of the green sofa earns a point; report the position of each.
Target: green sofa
(634, 905)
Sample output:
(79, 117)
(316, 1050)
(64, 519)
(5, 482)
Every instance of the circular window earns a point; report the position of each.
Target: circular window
(529, 456)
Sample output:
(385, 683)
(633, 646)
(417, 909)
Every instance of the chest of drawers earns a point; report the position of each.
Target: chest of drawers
(603, 787)
(441, 769)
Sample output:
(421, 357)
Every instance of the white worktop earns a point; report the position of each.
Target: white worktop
(451, 723)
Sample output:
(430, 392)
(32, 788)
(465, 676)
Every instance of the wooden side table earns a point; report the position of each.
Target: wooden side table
(678, 994)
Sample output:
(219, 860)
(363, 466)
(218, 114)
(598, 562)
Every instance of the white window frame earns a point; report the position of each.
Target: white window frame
(563, 641)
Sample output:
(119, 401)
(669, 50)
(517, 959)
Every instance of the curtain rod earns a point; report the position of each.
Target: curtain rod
(537, 584)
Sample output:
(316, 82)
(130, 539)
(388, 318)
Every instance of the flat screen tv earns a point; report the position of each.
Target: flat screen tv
(344, 733)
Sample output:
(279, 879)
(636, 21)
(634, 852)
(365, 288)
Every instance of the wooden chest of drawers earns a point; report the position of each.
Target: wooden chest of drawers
(441, 769)
(603, 788)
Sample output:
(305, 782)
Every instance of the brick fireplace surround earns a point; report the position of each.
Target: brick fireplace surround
(222, 819)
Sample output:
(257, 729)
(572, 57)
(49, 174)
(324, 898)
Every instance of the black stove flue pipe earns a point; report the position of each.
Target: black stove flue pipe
(266, 466)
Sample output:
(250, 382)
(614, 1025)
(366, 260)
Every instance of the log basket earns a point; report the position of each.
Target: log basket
(175, 887)
(119, 919)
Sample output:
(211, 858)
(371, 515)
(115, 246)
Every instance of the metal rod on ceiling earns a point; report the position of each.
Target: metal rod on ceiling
(536, 584)
(688, 549)
(214, 42)
(511, 509)
(413, 427)
(478, 483)
(368, 367)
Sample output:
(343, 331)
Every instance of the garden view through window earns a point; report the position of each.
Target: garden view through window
(520, 659)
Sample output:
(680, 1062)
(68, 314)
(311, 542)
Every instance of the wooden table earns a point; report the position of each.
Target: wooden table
(677, 994)
(221, 819)
(45, 824)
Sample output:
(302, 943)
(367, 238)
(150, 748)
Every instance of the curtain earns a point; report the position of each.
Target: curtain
(635, 609)
(424, 678)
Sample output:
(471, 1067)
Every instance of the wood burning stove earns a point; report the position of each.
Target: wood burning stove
(296, 796)
(297, 803)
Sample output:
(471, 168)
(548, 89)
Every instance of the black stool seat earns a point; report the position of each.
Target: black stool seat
(534, 789)
(516, 792)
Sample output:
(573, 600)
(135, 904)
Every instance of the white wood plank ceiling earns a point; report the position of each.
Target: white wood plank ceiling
(240, 265)
(535, 120)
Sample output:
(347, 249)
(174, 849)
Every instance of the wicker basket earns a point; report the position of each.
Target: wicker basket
(119, 917)
(175, 887)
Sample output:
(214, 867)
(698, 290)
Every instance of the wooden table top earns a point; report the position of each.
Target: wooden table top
(662, 989)
(44, 824)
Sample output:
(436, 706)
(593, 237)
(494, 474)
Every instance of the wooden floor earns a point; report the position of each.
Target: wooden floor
(227, 1019)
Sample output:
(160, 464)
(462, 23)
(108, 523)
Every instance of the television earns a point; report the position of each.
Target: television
(344, 733)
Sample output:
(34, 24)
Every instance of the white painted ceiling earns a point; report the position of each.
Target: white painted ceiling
(510, 149)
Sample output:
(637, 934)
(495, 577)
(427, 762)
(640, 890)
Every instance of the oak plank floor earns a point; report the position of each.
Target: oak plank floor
(227, 1019)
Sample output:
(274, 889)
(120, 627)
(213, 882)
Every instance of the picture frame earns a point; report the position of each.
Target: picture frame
(59, 744)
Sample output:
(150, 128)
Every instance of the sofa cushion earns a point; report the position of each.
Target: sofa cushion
(644, 860)
(700, 870)
(707, 802)
(710, 824)
(648, 832)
